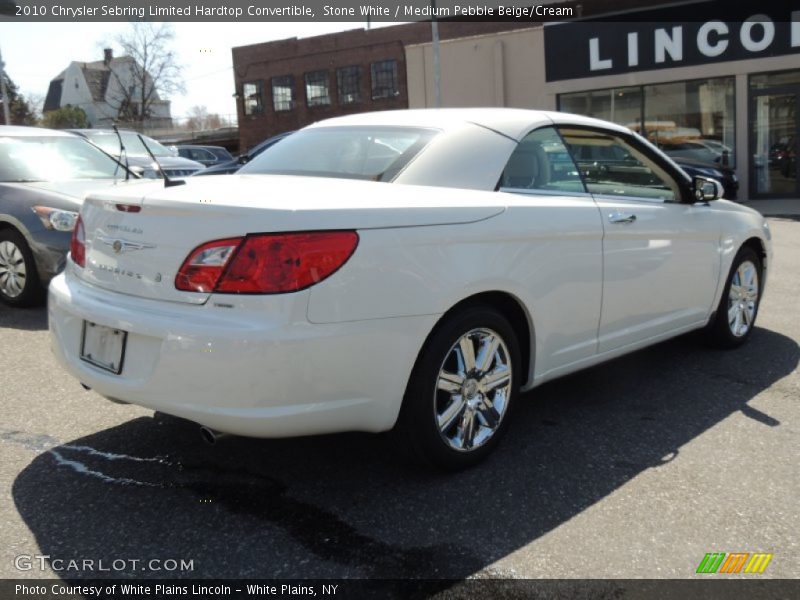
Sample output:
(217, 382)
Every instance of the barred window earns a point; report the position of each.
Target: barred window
(384, 79)
(253, 92)
(348, 80)
(318, 89)
(283, 93)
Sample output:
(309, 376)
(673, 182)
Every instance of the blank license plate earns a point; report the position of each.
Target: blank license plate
(103, 346)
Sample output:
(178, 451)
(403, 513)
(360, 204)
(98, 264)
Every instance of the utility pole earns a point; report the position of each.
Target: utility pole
(3, 91)
(437, 65)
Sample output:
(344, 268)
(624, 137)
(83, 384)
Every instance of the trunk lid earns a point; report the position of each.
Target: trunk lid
(137, 239)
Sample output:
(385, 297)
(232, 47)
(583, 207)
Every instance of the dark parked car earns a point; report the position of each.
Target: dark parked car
(724, 174)
(208, 155)
(44, 176)
(136, 154)
(235, 164)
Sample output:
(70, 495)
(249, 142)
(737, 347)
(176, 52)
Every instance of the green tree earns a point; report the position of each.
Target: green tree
(66, 117)
(21, 112)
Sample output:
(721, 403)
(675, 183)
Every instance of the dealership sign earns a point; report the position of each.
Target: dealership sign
(657, 39)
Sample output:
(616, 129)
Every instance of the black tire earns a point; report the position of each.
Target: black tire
(720, 330)
(32, 292)
(417, 431)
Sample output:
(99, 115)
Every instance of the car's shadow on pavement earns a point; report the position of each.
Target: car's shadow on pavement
(26, 319)
(343, 506)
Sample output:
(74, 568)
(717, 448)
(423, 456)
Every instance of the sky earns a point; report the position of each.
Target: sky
(34, 53)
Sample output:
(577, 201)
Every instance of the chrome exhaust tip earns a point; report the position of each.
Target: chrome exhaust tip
(210, 436)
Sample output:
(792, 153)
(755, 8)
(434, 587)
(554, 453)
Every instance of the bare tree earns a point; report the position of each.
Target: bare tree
(36, 102)
(200, 119)
(146, 74)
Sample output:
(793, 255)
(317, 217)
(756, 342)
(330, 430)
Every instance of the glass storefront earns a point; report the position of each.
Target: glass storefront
(775, 134)
(618, 105)
(692, 120)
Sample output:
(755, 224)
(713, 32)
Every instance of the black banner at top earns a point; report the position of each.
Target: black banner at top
(674, 36)
(531, 12)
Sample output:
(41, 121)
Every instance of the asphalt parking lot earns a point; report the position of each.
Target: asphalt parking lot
(634, 469)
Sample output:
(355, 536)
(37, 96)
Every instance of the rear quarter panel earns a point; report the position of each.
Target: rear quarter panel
(544, 251)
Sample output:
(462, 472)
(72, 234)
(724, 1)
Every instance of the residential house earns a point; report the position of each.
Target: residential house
(108, 91)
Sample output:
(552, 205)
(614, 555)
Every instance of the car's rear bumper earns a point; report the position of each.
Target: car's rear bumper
(239, 371)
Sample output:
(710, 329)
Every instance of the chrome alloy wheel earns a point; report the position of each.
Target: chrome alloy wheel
(13, 274)
(743, 298)
(472, 389)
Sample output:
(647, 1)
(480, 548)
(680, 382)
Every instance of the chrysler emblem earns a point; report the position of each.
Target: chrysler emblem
(119, 245)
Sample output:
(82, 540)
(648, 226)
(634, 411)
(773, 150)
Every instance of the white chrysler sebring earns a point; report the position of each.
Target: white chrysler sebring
(409, 270)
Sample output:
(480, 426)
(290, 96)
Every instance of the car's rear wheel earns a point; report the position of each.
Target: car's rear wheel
(461, 391)
(736, 314)
(19, 280)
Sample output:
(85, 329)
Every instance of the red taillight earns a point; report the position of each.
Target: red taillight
(268, 263)
(201, 270)
(77, 246)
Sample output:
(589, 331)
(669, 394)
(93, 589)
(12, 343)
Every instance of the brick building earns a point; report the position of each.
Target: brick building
(287, 84)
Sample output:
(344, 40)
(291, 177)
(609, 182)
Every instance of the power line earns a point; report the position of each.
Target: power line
(210, 74)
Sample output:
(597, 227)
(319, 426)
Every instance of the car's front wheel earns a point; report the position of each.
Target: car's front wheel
(462, 389)
(736, 314)
(19, 281)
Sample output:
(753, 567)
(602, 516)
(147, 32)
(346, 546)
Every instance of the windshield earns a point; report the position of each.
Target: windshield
(54, 158)
(372, 153)
(109, 142)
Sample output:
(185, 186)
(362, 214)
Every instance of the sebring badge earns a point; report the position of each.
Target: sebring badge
(119, 245)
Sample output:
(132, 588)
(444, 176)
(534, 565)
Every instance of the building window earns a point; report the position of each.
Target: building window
(774, 140)
(692, 119)
(384, 79)
(283, 93)
(618, 105)
(348, 80)
(253, 92)
(318, 89)
(686, 119)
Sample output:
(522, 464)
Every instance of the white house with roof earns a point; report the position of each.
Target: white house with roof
(107, 92)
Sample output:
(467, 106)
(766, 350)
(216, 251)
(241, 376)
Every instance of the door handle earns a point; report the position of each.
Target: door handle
(620, 217)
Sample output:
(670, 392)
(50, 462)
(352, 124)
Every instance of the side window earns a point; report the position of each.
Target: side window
(611, 166)
(202, 154)
(541, 162)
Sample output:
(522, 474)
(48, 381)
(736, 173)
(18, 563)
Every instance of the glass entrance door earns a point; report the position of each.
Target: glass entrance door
(774, 140)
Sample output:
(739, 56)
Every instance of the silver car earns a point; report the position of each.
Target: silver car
(136, 155)
(44, 176)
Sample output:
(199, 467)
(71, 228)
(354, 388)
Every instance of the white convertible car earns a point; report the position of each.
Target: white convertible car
(409, 270)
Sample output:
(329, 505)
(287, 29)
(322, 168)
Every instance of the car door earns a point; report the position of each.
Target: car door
(660, 250)
(558, 262)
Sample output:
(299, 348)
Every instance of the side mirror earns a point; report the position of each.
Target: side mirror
(706, 190)
(243, 159)
(137, 170)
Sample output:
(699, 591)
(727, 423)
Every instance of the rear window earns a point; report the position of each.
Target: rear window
(371, 153)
